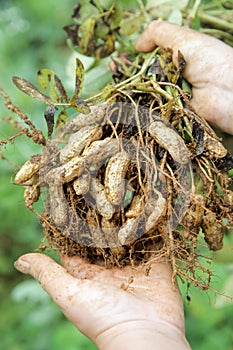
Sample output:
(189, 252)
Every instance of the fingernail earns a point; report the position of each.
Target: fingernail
(22, 266)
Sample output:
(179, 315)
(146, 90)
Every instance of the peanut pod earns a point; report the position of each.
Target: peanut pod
(213, 233)
(30, 168)
(100, 150)
(81, 185)
(97, 235)
(76, 123)
(31, 194)
(115, 177)
(79, 140)
(58, 207)
(104, 207)
(155, 208)
(169, 139)
(136, 207)
(110, 229)
(214, 147)
(127, 232)
(66, 172)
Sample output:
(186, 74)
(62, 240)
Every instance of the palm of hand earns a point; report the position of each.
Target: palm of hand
(110, 298)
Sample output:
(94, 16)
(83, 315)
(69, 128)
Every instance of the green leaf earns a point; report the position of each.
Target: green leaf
(175, 17)
(85, 11)
(79, 77)
(101, 30)
(98, 5)
(130, 25)
(30, 90)
(97, 78)
(48, 78)
(115, 18)
(163, 8)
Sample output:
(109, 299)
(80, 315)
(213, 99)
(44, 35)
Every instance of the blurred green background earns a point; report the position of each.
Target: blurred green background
(31, 37)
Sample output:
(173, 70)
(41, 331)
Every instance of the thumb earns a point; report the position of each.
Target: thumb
(86, 303)
(54, 279)
(68, 292)
(209, 68)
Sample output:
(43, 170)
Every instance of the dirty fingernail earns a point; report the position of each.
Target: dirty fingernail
(22, 266)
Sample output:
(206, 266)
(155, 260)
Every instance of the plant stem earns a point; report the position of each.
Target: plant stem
(132, 79)
(194, 9)
(145, 14)
(228, 38)
(216, 22)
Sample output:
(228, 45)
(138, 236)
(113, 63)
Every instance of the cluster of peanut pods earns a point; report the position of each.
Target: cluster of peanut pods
(118, 175)
(105, 187)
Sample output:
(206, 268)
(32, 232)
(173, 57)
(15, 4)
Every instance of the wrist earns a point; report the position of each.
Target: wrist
(142, 334)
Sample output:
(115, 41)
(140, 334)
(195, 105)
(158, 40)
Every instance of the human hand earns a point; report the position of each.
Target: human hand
(209, 68)
(116, 308)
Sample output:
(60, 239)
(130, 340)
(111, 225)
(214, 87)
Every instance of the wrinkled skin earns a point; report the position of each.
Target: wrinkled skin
(113, 309)
(110, 307)
(209, 68)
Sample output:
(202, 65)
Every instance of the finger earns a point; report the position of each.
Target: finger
(165, 34)
(176, 37)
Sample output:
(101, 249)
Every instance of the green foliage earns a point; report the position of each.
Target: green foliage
(98, 28)
(31, 36)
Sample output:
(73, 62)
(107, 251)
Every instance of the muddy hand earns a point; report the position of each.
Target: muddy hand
(209, 68)
(112, 308)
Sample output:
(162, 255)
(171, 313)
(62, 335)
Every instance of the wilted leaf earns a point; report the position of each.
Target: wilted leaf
(80, 105)
(108, 90)
(62, 118)
(107, 48)
(49, 117)
(48, 78)
(30, 90)
(79, 77)
(181, 61)
(86, 43)
(61, 89)
(72, 33)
